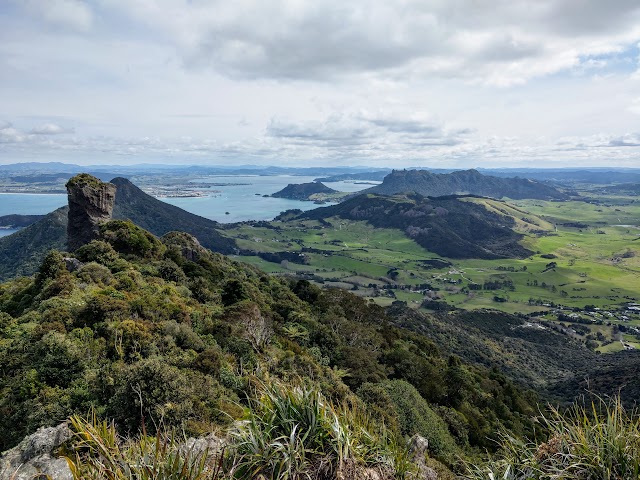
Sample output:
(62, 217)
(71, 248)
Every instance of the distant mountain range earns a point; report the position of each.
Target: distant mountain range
(377, 175)
(35, 168)
(464, 182)
(22, 252)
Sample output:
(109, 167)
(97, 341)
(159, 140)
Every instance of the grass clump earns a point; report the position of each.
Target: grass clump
(295, 433)
(601, 442)
(290, 433)
(99, 453)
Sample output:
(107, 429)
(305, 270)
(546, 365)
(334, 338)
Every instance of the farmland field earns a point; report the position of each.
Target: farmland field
(585, 254)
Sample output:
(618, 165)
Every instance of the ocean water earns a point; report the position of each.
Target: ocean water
(7, 231)
(243, 202)
(30, 204)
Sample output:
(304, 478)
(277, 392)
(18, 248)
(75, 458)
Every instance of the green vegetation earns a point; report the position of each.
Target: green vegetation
(288, 433)
(164, 334)
(22, 252)
(84, 179)
(598, 442)
(581, 254)
(98, 452)
(296, 432)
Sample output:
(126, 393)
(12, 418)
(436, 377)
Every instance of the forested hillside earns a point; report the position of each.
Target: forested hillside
(135, 327)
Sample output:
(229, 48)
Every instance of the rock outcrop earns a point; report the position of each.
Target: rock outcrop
(90, 203)
(418, 447)
(34, 457)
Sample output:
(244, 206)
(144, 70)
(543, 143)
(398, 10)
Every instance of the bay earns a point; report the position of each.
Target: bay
(244, 200)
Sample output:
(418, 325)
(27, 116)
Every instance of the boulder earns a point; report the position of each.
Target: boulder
(34, 457)
(212, 446)
(90, 203)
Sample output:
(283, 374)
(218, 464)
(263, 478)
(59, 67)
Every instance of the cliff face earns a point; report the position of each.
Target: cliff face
(90, 203)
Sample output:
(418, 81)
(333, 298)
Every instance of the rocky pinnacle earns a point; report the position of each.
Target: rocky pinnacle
(90, 203)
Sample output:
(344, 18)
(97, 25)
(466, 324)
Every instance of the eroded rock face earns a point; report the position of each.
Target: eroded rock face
(90, 203)
(34, 457)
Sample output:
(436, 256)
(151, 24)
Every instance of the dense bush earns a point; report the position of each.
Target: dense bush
(176, 336)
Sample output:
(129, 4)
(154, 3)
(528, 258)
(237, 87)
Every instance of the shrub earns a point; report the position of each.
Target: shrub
(416, 416)
(127, 238)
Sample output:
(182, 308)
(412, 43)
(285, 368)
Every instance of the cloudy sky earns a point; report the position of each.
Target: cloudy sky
(436, 83)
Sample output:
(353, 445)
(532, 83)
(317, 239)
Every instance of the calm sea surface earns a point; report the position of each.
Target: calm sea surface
(243, 202)
(7, 231)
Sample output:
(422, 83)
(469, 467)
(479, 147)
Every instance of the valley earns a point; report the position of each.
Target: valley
(583, 268)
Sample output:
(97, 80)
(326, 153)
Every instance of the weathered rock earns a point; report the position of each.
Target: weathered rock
(72, 264)
(34, 457)
(211, 445)
(90, 203)
(418, 446)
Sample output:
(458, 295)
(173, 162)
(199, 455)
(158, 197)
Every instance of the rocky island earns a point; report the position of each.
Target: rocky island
(305, 191)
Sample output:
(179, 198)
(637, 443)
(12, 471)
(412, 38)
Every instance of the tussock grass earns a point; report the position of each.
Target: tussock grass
(100, 454)
(600, 442)
(295, 433)
(290, 433)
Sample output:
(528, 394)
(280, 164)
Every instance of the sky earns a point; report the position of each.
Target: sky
(394, 83)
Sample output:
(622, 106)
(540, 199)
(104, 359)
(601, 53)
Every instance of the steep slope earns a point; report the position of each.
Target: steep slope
(159, 217)
(446, 225)
(16, 221)
(22, 252)
(528, 354)
(463, 182)
(165, 332)
(303, 191)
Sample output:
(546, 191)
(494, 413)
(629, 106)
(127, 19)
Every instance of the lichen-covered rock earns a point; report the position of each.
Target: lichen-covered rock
(72, 264)
(34, 457)
(418, 446)
(90, 204)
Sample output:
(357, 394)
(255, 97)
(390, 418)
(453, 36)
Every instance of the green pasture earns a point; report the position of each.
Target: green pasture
(596, 263)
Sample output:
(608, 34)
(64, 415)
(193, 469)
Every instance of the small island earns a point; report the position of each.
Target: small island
(312, 191)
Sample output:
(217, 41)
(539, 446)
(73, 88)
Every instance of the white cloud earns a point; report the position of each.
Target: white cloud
(499, 42)
(274, 81)
(50, 129)
(68, 14)
(8, 134)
